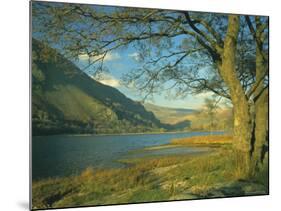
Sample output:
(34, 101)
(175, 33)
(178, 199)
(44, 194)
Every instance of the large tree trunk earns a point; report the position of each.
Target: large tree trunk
(259, 152)
(260, 98)
(250, 132)
(241, 108)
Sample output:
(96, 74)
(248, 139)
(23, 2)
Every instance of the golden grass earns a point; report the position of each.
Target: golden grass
(204, 140)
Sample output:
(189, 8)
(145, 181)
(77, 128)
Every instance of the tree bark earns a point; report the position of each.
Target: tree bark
(260, 136)
(260, 98)
(241, 109)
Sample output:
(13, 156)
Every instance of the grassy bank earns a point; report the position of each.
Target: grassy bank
(154, 179)
(205, 140)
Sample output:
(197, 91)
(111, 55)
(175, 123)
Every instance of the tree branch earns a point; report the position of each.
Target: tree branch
(256, 85)
(216, 46)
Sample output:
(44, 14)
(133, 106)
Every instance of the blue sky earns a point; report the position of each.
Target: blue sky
(120, 62)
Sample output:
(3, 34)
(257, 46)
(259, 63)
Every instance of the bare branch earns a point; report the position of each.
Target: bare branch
(216, 47)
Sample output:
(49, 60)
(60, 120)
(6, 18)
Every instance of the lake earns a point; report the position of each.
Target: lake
(64, 155)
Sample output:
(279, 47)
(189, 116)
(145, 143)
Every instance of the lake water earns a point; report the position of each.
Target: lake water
(55, 156)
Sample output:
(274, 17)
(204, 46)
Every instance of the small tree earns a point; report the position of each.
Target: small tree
(211, 107)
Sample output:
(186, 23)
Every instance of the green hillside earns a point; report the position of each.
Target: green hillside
(66, 100)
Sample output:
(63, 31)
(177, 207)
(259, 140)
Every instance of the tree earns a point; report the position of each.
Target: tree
(211, 106)
(195, 52)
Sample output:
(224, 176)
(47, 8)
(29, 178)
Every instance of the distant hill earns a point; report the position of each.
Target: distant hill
(222, 120)
(167, 115)
(66, 100)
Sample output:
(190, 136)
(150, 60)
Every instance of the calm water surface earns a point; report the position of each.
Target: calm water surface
(55, 156)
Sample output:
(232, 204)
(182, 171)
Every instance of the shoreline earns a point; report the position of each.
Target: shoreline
(127, 134)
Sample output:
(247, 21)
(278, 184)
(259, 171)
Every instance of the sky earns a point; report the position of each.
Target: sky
(120, 62)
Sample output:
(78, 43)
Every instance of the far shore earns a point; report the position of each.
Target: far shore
(126, 134)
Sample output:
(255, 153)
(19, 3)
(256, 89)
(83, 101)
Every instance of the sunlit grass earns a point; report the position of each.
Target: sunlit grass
(199, 140)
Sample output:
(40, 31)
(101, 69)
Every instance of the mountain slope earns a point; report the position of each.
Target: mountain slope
(66, 100)
(168, 115)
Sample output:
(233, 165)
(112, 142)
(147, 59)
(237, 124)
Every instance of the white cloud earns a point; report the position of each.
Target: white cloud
(110, 82)
(204, 95)
(108, 79)
(108, 57)
(135, 56)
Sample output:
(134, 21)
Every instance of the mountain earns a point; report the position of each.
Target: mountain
(222, 119)
(167, 115)
(66, 100)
